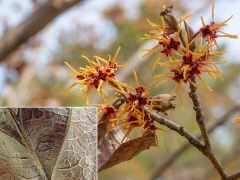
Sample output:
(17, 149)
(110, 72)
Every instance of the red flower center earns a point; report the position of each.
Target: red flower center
(133, 120)
(80, 77)
(95, 83)
(176, 75)
(142, 101)
(206, 31)
(139, 90)
(132, 97)
(112, 65)
(166, 52)
(173, 44)
(187, 60)
(102, 75)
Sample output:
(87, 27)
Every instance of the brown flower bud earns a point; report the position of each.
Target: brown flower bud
(170, 20)
(189, 31)
(190, 35)
(165, 104)
(167, 10)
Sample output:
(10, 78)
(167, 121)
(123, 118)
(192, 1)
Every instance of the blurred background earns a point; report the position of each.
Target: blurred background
(34, 75)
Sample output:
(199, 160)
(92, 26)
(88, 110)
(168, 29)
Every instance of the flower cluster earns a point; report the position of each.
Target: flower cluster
(211, 31)
(95, 74)
(137, 99)
(132, 114)
(184, 61)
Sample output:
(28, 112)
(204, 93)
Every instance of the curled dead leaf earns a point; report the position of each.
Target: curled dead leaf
(108, 142)
(111, 150)
(123, 152)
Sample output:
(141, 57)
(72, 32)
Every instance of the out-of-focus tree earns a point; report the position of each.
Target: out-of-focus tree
(25, 38)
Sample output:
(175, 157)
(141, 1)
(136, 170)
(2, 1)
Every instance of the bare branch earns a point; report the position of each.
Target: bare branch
(199, 114)
(13, 38)
(208, 152)
(234, 176)
(175, 127)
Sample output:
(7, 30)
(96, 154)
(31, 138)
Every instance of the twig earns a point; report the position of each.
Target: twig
(159, 168)
(199, 114)
(175, 127)
(234, 176)
(227, 159)
(208, 152)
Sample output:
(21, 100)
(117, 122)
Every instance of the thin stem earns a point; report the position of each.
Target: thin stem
(208, 152)
(175, 127)
(234, 176)
(199, 114)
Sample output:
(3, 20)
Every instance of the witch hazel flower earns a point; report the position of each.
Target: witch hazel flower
(212, 31)
(95, 74)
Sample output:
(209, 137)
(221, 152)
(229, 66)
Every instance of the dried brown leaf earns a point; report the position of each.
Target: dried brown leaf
(48, 143)
(112, 152)
(108, 142)
(129, 149)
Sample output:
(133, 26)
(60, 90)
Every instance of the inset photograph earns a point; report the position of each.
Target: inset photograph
(48, 143)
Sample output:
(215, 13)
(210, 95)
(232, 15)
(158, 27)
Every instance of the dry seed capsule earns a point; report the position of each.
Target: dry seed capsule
(170, 20)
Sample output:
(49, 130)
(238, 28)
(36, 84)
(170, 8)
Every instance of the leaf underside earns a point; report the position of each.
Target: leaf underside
(48, 143)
